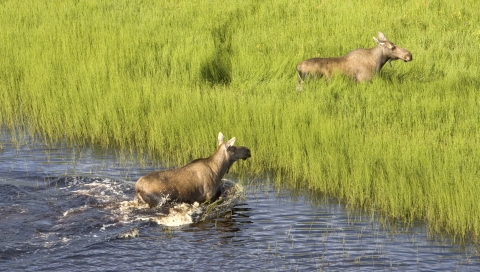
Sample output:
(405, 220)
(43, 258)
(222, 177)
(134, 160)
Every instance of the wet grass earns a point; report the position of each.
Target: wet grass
(164, 79)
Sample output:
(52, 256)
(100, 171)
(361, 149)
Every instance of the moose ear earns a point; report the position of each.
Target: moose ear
(382, 37)
(220, 138)
(380, 42)
(230, 142)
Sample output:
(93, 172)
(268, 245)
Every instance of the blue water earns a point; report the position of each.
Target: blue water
(60, 210)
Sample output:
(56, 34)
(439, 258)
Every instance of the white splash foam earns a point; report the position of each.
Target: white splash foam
(112, 193)
(181, 214)
(105, 226)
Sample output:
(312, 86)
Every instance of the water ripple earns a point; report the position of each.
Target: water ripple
(67, 209)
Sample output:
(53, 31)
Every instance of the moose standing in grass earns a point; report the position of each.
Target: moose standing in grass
(360, 64)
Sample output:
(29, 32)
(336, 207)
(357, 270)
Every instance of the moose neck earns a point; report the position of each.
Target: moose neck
(380, 57)
(219, 163)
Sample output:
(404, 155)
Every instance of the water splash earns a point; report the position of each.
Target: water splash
(116, 198)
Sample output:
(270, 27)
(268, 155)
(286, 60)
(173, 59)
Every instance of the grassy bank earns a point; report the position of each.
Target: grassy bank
(165, 78)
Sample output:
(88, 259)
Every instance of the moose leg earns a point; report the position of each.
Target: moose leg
(151, 199)
(300, 81)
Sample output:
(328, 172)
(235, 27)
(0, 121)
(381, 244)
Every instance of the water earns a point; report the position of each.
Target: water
(70, 209)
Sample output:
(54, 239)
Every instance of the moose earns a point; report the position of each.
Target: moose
(360, 64)
(198, 181)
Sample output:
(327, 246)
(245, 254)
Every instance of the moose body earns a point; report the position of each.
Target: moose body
(359, 64)
(198, 181)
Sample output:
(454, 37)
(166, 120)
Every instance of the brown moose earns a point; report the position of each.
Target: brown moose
(198, 181)
(360, 64)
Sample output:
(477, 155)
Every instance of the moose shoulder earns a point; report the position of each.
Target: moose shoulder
(359, 64)
(198, 181)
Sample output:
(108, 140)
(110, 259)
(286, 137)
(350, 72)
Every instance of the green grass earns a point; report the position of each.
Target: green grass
(165, 77)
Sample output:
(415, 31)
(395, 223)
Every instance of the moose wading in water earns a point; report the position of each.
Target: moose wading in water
(360, 64)
(198, 181)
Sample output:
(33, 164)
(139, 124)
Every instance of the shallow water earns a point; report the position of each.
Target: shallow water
(64, 209)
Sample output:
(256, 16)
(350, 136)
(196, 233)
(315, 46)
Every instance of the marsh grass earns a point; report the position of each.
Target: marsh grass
(164, 78)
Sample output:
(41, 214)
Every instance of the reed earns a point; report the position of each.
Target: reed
(163, 78)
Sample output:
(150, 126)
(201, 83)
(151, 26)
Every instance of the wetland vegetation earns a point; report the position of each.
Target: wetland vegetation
(163, 78)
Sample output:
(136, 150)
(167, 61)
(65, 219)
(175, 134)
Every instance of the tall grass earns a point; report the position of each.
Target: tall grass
(164, 77)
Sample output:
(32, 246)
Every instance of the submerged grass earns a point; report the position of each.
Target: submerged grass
(165, 78)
